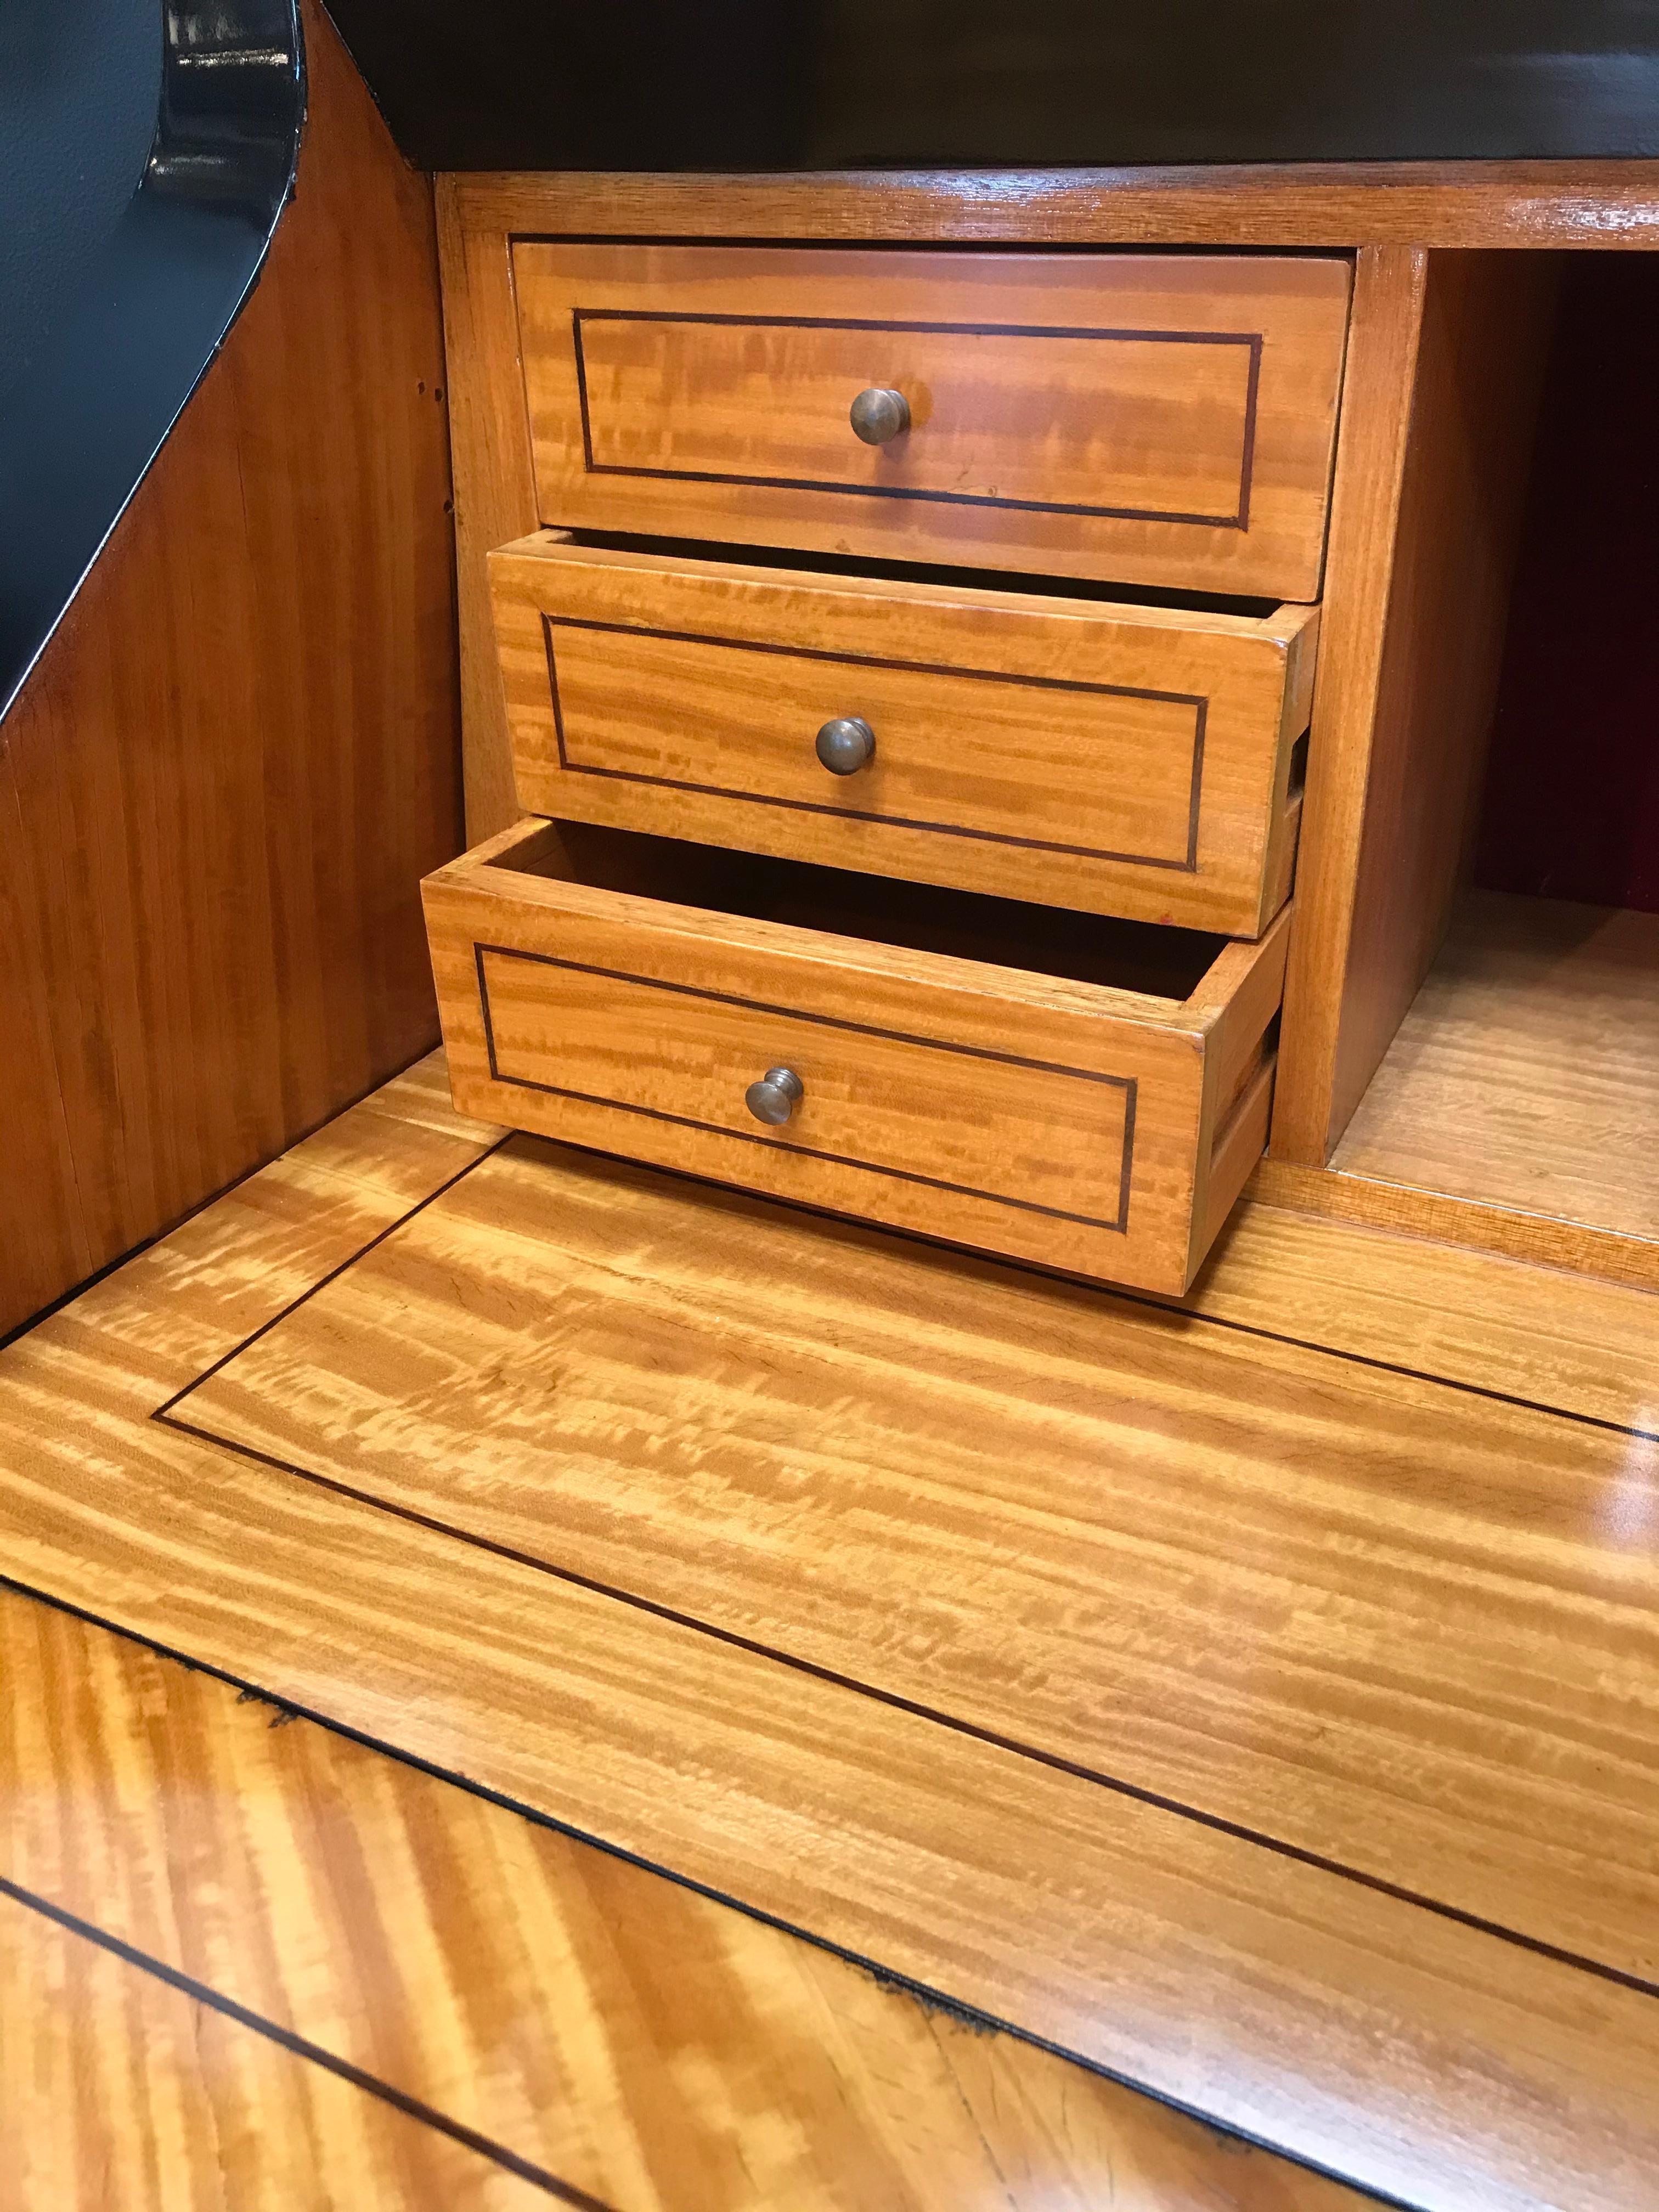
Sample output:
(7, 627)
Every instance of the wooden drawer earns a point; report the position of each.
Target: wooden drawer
(1084, 1093)
(1148, 418)
(1116, 758)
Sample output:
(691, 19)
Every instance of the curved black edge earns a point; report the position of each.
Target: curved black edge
(95, 401)
(733, 85)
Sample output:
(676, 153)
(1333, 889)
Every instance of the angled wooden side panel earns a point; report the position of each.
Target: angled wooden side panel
(495, 486)
(238, 754)
(1480, 371)
(1390, 284)
(1446, 366)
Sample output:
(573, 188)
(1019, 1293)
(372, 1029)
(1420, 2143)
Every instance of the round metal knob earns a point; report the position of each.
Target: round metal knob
(878, 415)
(845, 745)
(775, 1097)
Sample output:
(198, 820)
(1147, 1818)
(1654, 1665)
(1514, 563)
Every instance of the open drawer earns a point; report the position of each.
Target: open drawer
(1085, 1093)
(1112, 757)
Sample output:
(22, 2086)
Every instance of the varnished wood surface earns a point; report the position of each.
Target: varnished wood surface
(1390, 289)
(1414, 2052)
(1116, 758)
(1480, 365)
(1059, 1119)
(1074, 1570)
(1523, 1075)
(1483, 1322)
(635, 2043)
(1143, 420)
(239, 752)
(1418, 2053)
(123, 2093)
(1600, 204)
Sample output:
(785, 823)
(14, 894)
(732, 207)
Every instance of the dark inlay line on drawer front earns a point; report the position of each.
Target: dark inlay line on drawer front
(1239, 520)
(1200, 705)
(1129, 1085)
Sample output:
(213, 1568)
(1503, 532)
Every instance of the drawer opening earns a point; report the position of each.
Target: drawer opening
(943, 578)
(1155, 960)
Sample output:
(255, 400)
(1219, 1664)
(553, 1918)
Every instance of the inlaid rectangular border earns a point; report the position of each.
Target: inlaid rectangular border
(1238, 519)
(1200, 704)
(1129, 1085)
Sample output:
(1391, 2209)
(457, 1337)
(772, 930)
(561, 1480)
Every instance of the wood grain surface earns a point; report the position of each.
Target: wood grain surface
(1539, 205)
(238, 753)
(1165, 422)
(1444, 2062)
(1523, 1075)
(1062, 1120)
(1116, 758)
(124, 2093)
(1390, 288)
(1050, 1576)
(1486, 328)
(1481, 1321)
(638, 2044)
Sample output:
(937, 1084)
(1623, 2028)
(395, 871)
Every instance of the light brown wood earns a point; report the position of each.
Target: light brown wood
(1537, 1239)
(1399, 756)
(1114, 758)
(1389, 291)
(1418, 2054)
(1598, 204)
(637, 2041)
(1151, 420)
(1523, 1076)
(238, 753)
(1060, 1120)
(1055, 1562)
(494, 484)
(1483, 1322)
(1480, 365)
(124, 2095)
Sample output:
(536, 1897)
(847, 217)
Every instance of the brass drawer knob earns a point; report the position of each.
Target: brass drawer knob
(878, 415)
(845, 745)
(775, 1097)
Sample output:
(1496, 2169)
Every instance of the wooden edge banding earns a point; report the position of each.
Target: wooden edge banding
(1536, 204)
(1536, 1238)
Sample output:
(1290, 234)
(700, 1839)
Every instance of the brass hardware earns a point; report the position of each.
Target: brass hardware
(775, 1097)
(845, 745)
(878, 415)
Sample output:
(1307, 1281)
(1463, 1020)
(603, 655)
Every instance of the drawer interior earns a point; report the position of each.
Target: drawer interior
(1152, 959)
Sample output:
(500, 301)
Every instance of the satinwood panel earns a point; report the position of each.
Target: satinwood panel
(123, 2093)
(1446, 2063)
(1153, 420)
(638, 2043)
(1524, 1073)
(1063, 1120)
(1116, 758)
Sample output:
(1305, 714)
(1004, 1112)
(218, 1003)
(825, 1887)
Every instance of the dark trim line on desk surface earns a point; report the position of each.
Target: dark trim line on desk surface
(298, 2046)
(93, 404)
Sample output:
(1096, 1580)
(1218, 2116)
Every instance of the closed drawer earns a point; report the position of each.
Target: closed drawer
(1151, 418)
(1118, 759)
(1090, 1094)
